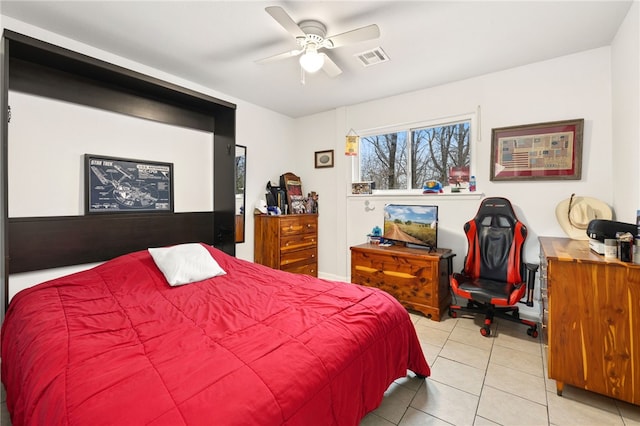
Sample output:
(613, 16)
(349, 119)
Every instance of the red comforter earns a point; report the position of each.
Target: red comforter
(117, 345)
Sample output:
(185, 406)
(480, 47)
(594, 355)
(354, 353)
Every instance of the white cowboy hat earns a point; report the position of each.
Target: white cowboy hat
(575, 213)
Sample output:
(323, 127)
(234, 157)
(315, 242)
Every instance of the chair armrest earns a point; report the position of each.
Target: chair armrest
(531, 269)
(449, 258)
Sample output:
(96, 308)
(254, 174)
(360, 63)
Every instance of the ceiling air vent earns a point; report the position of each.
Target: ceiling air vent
(372, 57)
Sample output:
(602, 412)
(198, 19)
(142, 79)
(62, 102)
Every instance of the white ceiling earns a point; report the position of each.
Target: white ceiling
(216, 43)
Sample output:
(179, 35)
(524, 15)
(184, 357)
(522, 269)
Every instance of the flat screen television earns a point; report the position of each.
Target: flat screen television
(412, 224)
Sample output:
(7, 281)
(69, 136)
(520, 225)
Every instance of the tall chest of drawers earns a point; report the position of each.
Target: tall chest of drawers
(591, 318)
(287, 242)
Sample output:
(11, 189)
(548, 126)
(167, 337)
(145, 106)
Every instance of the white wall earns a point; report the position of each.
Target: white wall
(271, 151)
(267, 135)
(46, 161)
(319, 133)
(625, 68)
(576, 86)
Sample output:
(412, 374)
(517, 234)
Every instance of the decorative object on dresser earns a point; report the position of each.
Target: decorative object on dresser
(287, 242)
(293, 187)
(590, 319)
(417, 278)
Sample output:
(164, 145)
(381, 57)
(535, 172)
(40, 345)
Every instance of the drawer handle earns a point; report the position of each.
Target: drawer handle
(308, 225)
(313, 255)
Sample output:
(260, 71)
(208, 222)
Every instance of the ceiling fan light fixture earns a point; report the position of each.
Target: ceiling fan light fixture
(311, 61)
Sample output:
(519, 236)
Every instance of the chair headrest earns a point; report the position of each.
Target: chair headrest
(496, 206)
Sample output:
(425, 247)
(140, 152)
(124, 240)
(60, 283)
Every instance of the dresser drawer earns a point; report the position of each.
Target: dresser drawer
(307, 269)
(422, 269)
(298, 242)
(305, 256)
(298, 225)
(406, 287)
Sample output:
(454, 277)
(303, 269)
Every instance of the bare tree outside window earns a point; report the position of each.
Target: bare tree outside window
(393, 163)
(383, 160)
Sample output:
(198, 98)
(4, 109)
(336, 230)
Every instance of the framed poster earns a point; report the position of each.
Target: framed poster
(124, 185)
(551, 151)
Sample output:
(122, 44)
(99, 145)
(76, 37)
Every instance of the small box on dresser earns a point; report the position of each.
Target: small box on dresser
(417, 278)
(287, 242)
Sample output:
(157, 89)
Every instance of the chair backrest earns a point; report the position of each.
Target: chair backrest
(495, 237)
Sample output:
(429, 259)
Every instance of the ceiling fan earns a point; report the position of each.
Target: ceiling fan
(310, 37)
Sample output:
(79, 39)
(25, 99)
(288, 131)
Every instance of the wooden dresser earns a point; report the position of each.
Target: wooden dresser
(419, 279)
(287, 242)
(591, 319)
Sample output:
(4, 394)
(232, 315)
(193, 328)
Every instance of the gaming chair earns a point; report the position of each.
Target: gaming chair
(495, 278)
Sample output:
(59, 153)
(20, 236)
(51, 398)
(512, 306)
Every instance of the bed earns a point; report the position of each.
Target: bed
(117, 344)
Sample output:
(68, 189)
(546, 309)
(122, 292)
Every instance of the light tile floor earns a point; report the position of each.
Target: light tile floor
(495, 380)
(476, 380)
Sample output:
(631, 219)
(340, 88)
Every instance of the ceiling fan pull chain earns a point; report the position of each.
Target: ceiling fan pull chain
(302, 76)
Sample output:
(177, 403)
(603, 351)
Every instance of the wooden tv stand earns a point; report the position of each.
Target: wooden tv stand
(418, 278)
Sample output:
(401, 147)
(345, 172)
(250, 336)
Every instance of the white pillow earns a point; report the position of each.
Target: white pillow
(185, 263)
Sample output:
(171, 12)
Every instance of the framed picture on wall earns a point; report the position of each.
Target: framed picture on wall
(549, 151)
(324, 159)
(124, 185)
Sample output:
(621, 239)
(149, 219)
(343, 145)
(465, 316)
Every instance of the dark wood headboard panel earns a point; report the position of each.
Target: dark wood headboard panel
(49, 242)
(42, 69)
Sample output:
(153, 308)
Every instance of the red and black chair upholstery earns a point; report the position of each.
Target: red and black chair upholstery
(494, 278)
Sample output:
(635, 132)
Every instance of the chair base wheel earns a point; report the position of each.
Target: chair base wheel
(485, 331)
(533, 332)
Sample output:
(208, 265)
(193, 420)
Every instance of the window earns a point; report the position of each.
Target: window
(406, 158)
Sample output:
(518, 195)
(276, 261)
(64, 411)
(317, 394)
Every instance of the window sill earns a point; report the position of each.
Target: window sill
(418, 194)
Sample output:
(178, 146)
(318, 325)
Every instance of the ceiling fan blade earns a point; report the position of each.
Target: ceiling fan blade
(285, 20)
(330, 67)
(279, 56)
(354, 36)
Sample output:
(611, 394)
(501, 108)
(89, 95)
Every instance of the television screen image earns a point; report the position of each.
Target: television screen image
(412, 224)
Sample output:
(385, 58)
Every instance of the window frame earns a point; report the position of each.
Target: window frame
(408, 127)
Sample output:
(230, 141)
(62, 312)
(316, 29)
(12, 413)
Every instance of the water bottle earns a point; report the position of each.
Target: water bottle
(472, 184)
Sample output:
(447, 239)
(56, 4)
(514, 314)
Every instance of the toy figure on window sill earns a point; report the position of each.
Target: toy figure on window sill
(432, 187)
